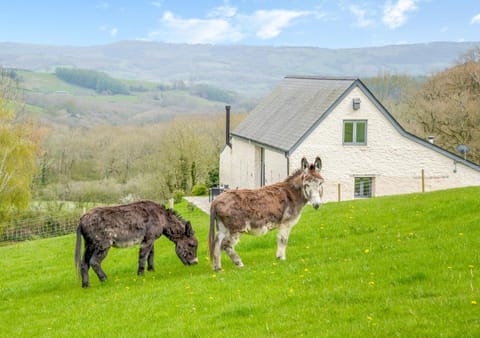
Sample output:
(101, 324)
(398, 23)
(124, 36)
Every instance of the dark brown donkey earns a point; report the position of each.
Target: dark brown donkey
(126, 225)
(257, 211)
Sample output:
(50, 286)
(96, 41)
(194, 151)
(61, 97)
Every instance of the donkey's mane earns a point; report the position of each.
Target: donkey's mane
(176, 214)
(294, 175)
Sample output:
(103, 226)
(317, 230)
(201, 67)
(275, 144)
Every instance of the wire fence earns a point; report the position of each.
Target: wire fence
(41, 227)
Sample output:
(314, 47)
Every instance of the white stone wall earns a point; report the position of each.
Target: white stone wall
(240, 165)
(394, 161)
(237, 165)
(275, 166)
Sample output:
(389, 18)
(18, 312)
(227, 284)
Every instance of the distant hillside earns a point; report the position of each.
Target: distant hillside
(57, 102)
(251, 70)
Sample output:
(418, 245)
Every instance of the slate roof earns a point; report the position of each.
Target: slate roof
(299, 103)
(293, 107)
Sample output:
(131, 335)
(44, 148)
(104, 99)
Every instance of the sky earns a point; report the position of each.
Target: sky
(312, 23)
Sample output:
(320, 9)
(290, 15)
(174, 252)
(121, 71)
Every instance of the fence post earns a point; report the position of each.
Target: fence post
(339, 191)
(423, 180)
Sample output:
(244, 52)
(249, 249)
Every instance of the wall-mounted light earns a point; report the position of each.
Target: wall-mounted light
(356, 103)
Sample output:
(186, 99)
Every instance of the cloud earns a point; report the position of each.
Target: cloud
(395, 14)
(158, 3)
(223, 24)
(475, 19)
(195, 31)
(361, 15)
(112, 31)
(225, 11)
(269, 24)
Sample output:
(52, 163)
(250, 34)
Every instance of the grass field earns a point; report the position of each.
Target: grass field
(393, 266)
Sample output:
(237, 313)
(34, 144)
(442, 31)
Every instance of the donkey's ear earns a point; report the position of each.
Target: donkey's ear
(189, 230)
(318, 163)
(304, 164)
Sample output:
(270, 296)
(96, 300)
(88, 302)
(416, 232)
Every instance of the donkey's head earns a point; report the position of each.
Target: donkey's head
(186, 245)
(312, 188)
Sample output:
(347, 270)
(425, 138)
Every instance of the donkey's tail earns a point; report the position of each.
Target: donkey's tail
(78, 247)
(211, 233)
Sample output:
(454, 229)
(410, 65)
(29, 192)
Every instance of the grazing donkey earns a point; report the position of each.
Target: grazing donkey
(257, 211)
(126, 225)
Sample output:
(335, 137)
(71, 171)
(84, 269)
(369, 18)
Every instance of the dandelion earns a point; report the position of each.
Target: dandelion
(474, 302)
(460, 234)
(369, 317)
(214, 276)
(366, 251)
(306, 270)
(371, 283)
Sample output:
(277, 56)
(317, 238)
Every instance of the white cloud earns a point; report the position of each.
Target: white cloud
(176, 29)
(361, 15)
(395, 14)
(225, 24)
(112, 31)
(475, 19)
(225, 11)
(269, 24)
(158, 3)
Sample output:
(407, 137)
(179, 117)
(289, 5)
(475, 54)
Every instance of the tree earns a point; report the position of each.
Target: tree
(18, 145)
(447, 106)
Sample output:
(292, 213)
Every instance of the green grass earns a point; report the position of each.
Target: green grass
(392, 266)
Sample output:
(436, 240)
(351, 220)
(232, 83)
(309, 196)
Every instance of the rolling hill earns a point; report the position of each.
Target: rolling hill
(250, 70)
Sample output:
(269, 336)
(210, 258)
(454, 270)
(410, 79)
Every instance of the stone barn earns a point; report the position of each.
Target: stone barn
(365, 151)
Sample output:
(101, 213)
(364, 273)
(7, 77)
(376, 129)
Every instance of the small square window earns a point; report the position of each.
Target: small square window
(363, 187)
(355, 132)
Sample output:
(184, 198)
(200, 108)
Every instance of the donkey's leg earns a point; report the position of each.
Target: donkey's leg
(145, 250)
(282, 240)
(228, 245)
(217, 253)
(150, 259)
(85, 264)
(96, 261)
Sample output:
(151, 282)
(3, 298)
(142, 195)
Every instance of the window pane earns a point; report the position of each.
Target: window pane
(363, 187)
(360, 132)
(348, 132)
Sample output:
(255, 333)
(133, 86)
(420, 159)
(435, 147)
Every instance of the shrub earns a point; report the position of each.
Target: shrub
(178, 195)
(200, 190)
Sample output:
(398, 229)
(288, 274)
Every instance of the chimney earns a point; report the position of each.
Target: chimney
(227, 126)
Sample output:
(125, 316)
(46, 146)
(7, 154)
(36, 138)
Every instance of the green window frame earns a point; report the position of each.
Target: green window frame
(355, 132)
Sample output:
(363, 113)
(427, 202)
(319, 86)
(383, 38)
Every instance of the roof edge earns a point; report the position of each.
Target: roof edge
(322, 77)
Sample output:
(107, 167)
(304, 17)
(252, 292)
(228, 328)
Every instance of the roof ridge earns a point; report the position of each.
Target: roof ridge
(322, 77)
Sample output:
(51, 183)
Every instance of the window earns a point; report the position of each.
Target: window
(363, 187)
(355, 132)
